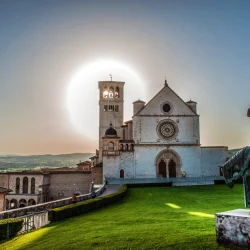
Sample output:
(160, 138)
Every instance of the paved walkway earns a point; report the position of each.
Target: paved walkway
(110, 189)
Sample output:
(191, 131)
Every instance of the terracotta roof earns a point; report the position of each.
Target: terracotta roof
(83, 163)
(98, 165)
(5, 190)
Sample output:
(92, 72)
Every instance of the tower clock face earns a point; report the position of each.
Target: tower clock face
(167, 129)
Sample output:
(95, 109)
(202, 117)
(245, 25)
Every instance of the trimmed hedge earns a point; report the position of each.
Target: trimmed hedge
(11, 225)
(71, 210)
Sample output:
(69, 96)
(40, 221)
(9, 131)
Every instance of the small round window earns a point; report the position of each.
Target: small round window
(167, 107)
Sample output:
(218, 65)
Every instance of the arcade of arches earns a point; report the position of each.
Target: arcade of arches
(168, 164)
(15, 203)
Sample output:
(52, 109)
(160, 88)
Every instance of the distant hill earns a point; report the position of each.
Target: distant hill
(18, 162)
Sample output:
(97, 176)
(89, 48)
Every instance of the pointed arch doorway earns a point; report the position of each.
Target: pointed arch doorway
(168, 164)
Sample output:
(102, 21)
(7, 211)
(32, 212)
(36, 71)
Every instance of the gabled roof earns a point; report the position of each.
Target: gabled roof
(163, 89)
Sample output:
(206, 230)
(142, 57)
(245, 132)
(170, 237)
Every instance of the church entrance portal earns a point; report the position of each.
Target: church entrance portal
(162, 169)
(168, 164)
(172, 169)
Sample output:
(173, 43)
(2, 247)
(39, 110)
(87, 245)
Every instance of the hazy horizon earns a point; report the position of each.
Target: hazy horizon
(202, 47)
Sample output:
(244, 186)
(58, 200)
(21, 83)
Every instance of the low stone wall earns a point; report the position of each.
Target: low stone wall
(233, 227)
(13, 213)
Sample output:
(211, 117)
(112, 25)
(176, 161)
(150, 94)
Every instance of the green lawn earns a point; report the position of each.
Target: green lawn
(148, 218)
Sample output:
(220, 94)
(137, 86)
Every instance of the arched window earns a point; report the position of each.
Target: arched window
(126, 147)
(117, 92)
(32, 187)
(111, 108)
(111, 147)
(22, 203)
(17, 185)
(111, 92)
(116, 108)
(105, 93)
(121, 173)
(25, 185)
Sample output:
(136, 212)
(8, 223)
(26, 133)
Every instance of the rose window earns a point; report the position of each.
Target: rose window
(167, 129)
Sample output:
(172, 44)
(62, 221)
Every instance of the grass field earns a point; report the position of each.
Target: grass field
(148, 218)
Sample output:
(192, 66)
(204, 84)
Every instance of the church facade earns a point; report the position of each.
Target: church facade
(162, 140)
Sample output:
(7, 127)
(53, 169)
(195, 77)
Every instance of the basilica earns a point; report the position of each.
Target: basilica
(162, 140)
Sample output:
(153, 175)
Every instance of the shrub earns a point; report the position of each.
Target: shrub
(85, 206)
(11, 225)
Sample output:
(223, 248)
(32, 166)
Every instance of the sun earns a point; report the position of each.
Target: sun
(83, 93)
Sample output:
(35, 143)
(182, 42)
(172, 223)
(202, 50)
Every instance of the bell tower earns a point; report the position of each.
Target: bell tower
(111, 100)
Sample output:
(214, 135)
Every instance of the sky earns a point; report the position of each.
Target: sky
(202, 47)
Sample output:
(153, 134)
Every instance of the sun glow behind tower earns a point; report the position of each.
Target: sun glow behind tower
(83, 93)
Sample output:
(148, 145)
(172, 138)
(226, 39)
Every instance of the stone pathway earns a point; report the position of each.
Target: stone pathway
(110, 189)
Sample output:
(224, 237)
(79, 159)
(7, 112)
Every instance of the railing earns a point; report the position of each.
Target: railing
(34, 220)
(41, 208)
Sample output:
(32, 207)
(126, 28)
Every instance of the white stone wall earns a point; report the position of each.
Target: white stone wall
(145, 131)
(211, 159)
(127, 164)
(113, 164)
(145, 160)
